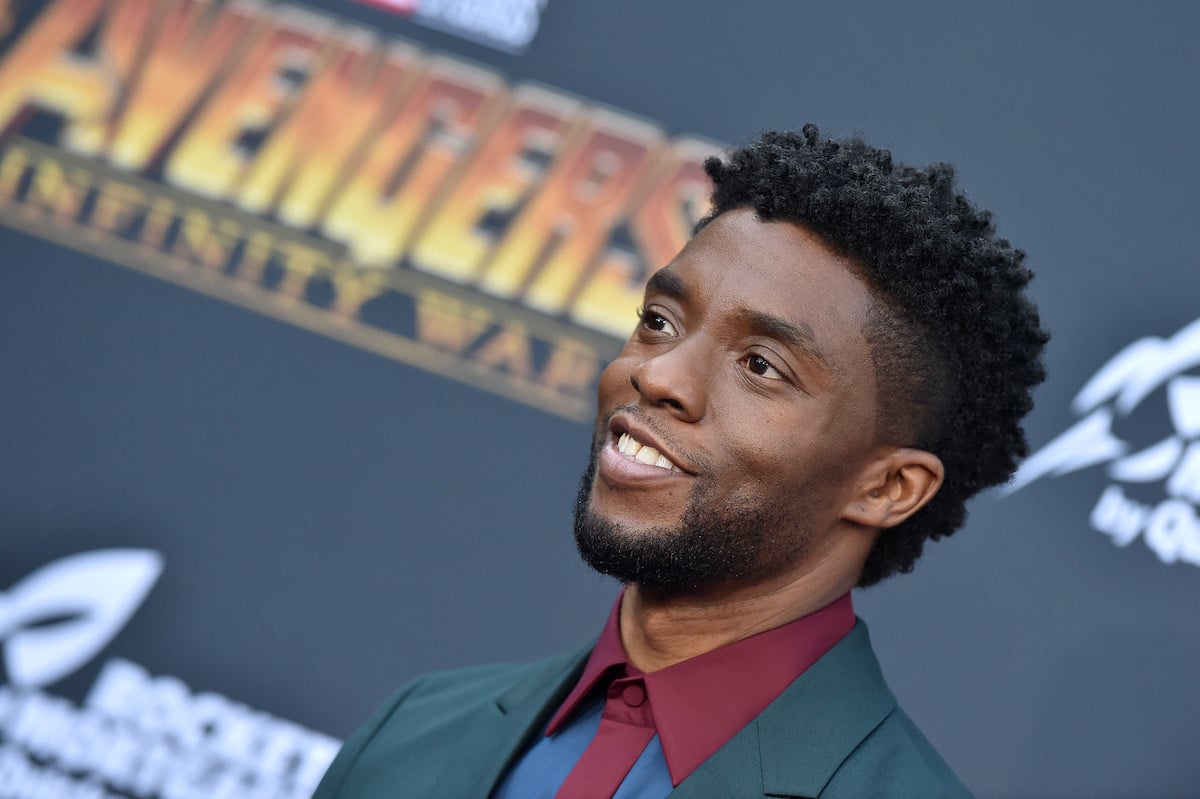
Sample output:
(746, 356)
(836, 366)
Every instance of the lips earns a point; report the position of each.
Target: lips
(635, 450)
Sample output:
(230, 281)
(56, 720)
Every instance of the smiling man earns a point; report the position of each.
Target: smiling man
(838, 359)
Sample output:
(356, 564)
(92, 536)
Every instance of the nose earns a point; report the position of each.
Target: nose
(674, 380)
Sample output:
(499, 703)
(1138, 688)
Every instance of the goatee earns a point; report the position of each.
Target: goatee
(714, 543)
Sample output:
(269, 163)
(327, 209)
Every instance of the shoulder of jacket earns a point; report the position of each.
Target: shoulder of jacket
(896, 761)
(458, 684)
(432, 705)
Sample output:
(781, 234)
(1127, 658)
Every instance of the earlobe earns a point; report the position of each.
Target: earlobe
(895, 487)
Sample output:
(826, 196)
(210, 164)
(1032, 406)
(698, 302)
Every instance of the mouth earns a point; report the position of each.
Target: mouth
(634, 450)
(635, 458)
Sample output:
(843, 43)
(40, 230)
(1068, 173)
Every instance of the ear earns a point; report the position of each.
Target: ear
(895, 486)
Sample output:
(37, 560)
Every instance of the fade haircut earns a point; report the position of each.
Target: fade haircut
(956, 343)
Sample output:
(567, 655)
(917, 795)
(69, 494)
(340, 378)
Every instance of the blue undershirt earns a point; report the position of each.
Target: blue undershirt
(542, 769)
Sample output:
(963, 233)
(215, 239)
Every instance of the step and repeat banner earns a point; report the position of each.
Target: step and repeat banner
(302, 308)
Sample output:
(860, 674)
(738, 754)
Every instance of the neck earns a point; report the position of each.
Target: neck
(661, 630)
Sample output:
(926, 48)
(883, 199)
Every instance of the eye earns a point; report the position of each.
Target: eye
(652, 320)
(760, 366)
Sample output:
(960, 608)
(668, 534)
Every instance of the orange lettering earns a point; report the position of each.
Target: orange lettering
(572, 366)
(510, 348)
(192, 45)
(449, 323)
(117, 206)
(661, 224)
(303, 158)
(43, 70)
(408, 163)
(546, 254)
(233, 123)
(508, 169)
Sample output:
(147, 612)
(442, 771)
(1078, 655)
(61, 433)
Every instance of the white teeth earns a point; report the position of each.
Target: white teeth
(631, 448)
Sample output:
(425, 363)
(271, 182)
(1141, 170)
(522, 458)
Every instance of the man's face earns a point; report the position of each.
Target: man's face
(732, 427)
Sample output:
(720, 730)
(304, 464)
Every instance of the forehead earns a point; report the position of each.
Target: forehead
(738, 268)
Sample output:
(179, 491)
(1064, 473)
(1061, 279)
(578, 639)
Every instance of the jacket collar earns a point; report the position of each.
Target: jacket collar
(796, 745)
(792, 749)
(504, 728)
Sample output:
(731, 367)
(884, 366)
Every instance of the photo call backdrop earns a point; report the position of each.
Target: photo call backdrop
(302, 306)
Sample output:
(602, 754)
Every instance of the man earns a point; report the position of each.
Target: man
(837, 360)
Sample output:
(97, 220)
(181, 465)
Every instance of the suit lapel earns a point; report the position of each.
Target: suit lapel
(825, 715)
(793, 748)
(732, 772)
(502, 729)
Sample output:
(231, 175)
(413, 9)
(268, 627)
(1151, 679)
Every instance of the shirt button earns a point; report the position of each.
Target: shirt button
(634, 695)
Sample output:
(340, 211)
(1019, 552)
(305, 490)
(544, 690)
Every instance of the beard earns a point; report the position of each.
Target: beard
(715, 543)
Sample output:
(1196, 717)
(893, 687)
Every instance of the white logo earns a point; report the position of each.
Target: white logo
(1171, 528)
(60, 616)
(504, 24)
(136, 734)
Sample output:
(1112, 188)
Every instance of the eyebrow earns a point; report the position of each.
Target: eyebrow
(664, 281)
(797, 336)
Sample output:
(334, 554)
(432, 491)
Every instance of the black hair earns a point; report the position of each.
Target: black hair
(955, 341)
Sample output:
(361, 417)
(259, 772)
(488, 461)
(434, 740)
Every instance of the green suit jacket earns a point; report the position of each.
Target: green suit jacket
(836, 733)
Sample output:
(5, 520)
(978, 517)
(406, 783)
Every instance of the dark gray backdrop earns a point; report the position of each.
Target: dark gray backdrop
(334, 523)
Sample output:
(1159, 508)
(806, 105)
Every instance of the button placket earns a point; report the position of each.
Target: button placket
(627, 702)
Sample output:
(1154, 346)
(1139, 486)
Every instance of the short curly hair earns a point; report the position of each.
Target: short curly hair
(955, 341)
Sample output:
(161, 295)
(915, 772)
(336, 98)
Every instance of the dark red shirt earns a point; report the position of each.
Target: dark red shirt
(702, 702)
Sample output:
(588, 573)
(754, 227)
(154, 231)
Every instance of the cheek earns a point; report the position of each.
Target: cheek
(759, 459)
(779, 450)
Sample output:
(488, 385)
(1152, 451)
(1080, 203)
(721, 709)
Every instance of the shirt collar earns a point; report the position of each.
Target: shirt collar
(702, 702)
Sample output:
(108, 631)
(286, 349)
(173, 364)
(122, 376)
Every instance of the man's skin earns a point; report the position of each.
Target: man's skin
(751, 374)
